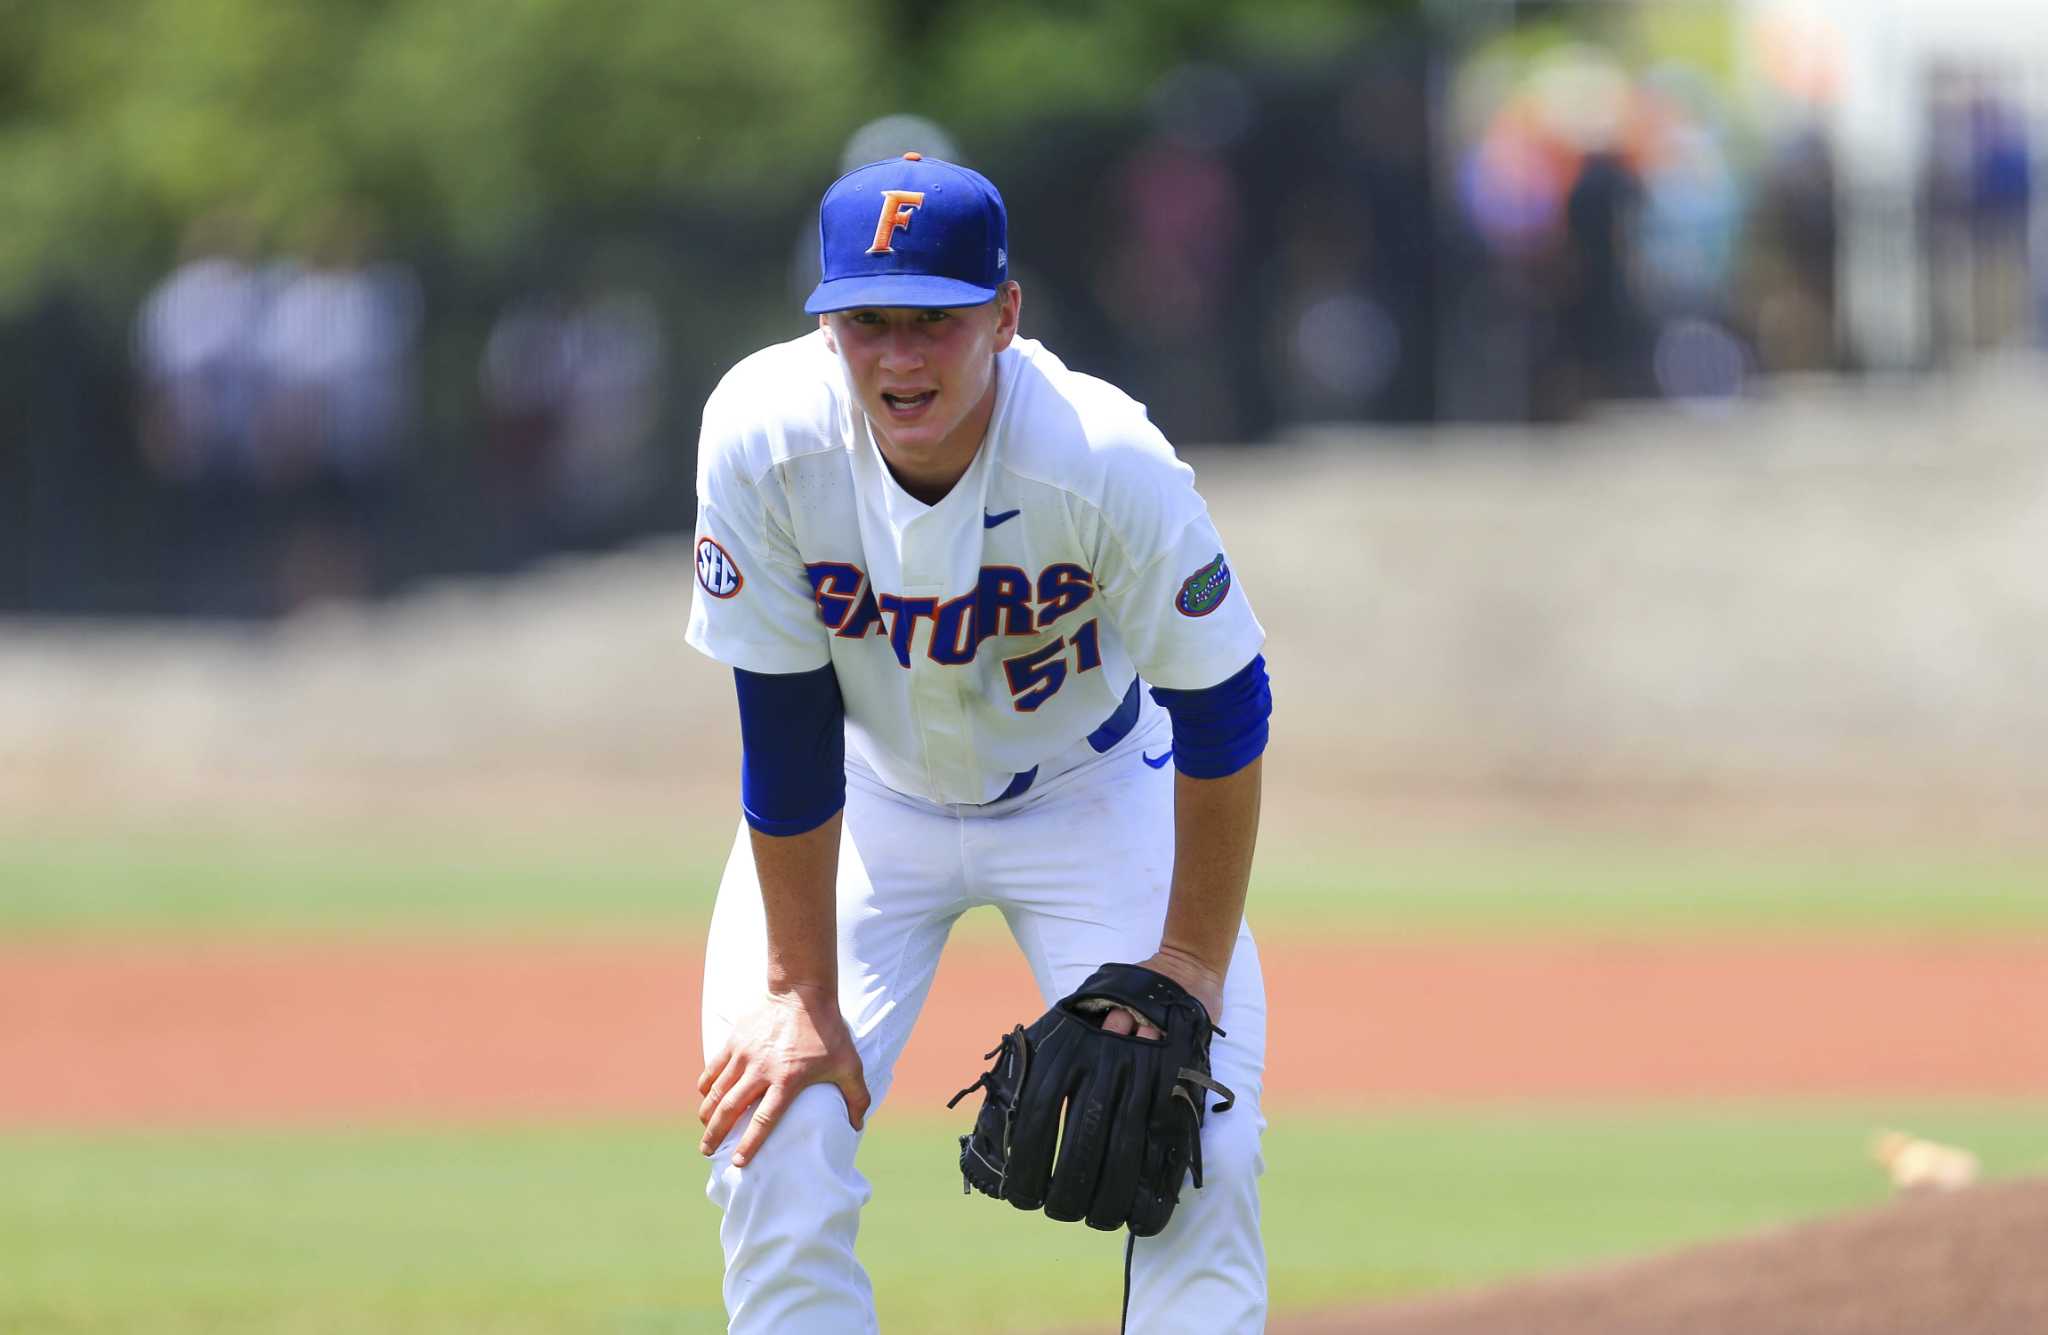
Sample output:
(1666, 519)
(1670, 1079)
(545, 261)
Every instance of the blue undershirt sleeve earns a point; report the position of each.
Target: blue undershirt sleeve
(792, 749)
(1220, 729)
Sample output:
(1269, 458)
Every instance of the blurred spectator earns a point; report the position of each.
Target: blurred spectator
(196, 348)
(274, 404)
(1386, 118)
(1609, 208)
(1332, 346)
(1979, 196)
(336, 346)
(1603, 322)
(2002, 191)
(203, 388)
(336, 342)
(572, 390)
(1691, 203)
(1552, 204)
(1166, 275)
(1513, 182)
(1795, 255)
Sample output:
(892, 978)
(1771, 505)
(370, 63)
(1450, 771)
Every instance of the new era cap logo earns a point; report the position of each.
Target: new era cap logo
(896, 210)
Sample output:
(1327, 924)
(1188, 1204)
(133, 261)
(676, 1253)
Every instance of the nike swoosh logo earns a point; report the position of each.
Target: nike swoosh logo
(1164, 756)
(990, 521)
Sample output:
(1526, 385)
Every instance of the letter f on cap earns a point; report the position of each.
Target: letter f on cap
(896, 207)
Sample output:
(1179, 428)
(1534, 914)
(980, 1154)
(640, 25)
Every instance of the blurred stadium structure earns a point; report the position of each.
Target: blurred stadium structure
(1817, 614)
(285, 380)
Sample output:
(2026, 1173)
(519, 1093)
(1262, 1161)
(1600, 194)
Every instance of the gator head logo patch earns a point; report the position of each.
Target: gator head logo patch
(1204, 591)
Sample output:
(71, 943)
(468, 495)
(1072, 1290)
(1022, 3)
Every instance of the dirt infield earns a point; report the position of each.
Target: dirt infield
(250, 1033)
(227, 1034)
(1965, 1264)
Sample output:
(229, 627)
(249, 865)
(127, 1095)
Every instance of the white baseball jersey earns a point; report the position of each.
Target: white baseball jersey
(978, 637)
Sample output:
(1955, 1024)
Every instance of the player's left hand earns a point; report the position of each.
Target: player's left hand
(1202, 982)
(1084, 1124)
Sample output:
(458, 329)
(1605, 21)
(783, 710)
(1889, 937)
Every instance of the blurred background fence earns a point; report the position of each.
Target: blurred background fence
(313, 304)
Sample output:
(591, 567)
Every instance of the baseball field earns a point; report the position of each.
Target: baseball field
(1664, 824)
(251, 1082)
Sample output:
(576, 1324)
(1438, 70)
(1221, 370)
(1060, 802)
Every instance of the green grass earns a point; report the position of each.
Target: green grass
(1560, 887)
(192, 882)
(606, 1230)
(205, 882)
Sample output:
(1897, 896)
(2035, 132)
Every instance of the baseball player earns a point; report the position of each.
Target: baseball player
(988, 649)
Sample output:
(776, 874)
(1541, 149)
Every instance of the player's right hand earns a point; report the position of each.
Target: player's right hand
(793, 1040)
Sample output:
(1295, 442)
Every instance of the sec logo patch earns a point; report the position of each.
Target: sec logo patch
(717, 572)
(1204, 591)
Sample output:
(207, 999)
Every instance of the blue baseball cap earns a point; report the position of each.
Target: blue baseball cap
(910, 231)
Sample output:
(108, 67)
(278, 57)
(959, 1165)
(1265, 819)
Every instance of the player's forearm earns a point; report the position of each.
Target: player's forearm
(1216, 827)
(798, 873)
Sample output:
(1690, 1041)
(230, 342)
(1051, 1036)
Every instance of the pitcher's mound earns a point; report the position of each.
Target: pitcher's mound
(1974, 1262)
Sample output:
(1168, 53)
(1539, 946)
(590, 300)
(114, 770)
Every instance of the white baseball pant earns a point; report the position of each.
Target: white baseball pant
(1079, 866)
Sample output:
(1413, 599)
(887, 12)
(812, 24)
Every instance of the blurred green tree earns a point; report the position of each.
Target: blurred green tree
(475, 121)
(471, 119)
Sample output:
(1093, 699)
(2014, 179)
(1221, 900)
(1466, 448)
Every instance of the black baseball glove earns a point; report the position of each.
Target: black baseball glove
(1125, 1112)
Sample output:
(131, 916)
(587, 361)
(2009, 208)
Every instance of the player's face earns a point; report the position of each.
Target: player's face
(927, 378)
